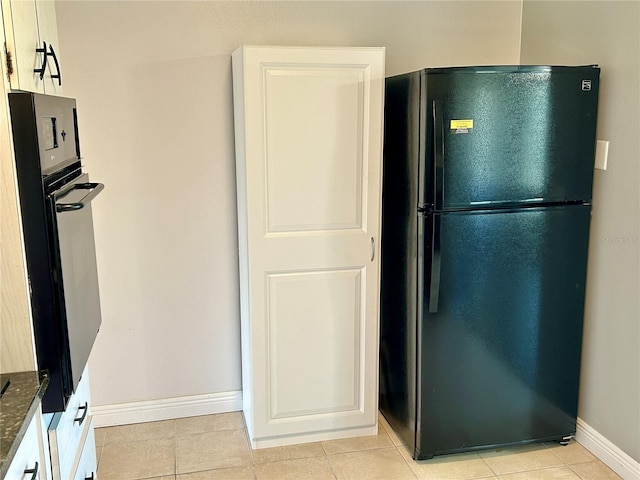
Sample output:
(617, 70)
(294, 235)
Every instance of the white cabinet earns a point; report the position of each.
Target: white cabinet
(86, 463)
(71, 434)
(28, 462)
(308, 125)
(31, 48)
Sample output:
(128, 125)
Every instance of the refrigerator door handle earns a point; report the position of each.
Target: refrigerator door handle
(438, 154)
(434, 284)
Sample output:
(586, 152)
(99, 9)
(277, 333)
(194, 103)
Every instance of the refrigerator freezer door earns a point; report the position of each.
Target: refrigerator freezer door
(510, 136)
(500, 357)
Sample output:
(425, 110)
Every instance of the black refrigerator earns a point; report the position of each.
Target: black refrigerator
(487, 185)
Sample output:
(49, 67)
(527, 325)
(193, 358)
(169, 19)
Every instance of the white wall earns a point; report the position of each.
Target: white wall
(606, 33)
(153, 84)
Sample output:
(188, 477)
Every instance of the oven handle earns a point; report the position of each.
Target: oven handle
(95, 189)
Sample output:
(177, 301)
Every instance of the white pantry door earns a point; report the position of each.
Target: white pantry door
(308, 127)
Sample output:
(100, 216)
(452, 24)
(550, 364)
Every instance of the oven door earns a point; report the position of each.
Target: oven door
(79, 298)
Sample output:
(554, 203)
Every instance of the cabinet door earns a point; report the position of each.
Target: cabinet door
(21, 31)
(67, 428)
(308, 146)
(48, 29)
(28, 25)
(86, 461)
(27, 460)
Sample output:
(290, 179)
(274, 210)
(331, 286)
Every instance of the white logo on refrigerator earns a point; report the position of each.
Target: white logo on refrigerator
(586, 85)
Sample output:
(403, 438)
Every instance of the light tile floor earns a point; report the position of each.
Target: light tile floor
(215, 447)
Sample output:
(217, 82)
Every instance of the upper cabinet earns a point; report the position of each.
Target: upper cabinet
(31, 48)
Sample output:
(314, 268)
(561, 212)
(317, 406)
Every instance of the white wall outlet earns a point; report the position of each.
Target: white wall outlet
(602, 152)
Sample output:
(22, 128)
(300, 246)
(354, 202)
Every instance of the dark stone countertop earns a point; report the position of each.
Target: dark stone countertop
(18, 405)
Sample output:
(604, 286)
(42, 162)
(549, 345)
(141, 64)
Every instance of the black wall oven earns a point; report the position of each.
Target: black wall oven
(55, 200)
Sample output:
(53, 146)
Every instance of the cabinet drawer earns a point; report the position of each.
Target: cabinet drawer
(66, 429)
(27, 459)
(86, 464)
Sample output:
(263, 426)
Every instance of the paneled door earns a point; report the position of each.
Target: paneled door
(308, 125)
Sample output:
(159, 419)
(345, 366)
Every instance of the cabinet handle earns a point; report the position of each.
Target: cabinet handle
(33, 471)
(42, 69)
(81, 418)
(373, 248)
(55, 60)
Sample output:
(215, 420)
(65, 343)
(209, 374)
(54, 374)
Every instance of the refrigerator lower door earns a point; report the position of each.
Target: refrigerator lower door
(500, 353)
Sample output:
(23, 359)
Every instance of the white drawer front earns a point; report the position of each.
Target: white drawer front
(87, 464)
(66, 429)
(26, 463)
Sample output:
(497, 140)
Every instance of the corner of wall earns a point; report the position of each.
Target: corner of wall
(521, 27)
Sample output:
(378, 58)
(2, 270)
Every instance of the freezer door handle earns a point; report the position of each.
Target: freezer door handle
(438, 154)
(434, 284)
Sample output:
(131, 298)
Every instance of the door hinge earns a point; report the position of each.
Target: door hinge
(9, 60)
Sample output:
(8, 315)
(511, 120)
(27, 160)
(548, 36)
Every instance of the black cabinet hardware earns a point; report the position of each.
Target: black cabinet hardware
(85, 409)
(33, 471)
(43, 68)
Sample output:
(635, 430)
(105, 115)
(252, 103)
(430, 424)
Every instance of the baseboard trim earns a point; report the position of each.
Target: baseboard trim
(610, 454)
(166, 409)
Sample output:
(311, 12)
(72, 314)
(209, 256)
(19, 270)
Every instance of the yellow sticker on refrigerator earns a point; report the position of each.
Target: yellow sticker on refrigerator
(461, 126)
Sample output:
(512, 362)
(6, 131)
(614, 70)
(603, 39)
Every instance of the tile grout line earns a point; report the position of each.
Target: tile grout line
(570, 465)
(397, 447)
(596, 461)
(251, 457)
(415, 475)
(542, 469)
(495, 474)
(99, 455)
(326, 457)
